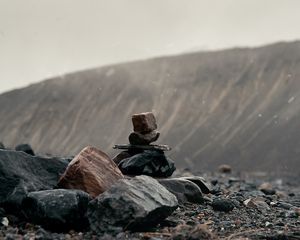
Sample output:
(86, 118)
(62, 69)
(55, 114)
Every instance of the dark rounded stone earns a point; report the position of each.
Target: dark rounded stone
(184, 190)
(25, 148)
(222, 205)
(136, 138)
(268, 191)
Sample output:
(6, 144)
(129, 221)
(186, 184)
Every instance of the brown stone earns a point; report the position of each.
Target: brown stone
(265, 186)
(91, 171)
(225, 168)
(136, 138)
(144, 122)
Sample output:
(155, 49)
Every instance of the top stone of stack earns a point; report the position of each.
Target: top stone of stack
(144, 122)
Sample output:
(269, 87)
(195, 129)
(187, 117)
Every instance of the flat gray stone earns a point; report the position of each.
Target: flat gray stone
(143, 147)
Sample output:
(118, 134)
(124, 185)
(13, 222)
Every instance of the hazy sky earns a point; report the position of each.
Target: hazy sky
(43, 38)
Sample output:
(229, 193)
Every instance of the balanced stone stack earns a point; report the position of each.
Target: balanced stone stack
(144, 129)
(140, 156)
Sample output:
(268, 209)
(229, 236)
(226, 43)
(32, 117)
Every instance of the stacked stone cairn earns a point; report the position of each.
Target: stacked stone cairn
(90, 192)
(140, 156)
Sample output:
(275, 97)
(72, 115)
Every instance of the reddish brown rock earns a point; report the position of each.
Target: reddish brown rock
(136, 138)
(91, 171)
(144, 122)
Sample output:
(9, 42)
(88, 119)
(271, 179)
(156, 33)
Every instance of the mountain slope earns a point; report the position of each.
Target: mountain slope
(238, 106)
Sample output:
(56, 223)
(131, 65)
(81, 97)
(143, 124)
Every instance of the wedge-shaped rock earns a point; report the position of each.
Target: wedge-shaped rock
(135, 204)
(144, 122)
(91, 171)
(21, 173)
(57, 210)
(185, 190)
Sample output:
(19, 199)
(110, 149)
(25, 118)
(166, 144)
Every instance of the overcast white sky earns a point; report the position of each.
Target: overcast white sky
(43, 38)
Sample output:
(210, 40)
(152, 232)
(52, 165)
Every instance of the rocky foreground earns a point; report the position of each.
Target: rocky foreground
(224, 214)
(139, 195)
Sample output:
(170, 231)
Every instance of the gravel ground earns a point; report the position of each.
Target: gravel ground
(222, 216)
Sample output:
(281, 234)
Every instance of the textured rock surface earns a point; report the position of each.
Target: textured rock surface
(91, 171)
(21, 173)
(131, 204)
(184, 190)
(25, 148)
(190, 221)
(136, 138)
(151, 163)
(144, 122)
(57, 210)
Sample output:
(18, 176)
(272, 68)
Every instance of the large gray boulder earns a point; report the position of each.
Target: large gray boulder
(57, 210)
(134, 204)
(21, 173)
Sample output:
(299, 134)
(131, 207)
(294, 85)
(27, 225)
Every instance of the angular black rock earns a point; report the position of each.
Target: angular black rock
(125, 154)
(184, 190)
(25, 148)
(57, 210)
(134, 204)
(136, 138)
(151, 163)
(21, 173)
(2, 145)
